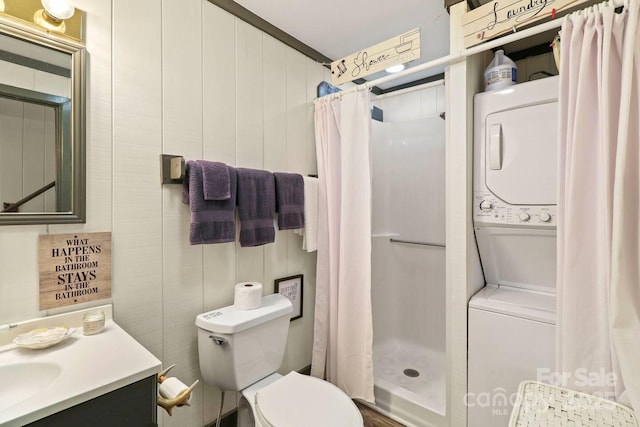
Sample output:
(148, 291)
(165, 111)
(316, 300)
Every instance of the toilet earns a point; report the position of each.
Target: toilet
(241, 350)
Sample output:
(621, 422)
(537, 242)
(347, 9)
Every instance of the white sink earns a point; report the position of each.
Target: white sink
(36, 383)
(23, 380)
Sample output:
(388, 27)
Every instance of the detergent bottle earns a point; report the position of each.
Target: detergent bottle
(500, 73)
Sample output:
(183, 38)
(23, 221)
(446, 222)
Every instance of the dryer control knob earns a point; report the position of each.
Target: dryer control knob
(524, 216)
(485, 206)
(544, 217)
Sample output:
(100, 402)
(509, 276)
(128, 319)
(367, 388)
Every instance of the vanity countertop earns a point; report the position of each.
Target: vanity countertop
(90, 366)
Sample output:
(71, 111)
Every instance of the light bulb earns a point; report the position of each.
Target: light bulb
(395, 68)
(58, 9)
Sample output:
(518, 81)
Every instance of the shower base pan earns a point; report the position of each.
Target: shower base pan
(410, 381)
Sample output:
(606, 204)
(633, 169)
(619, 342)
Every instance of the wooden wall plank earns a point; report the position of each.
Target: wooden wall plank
(275, 79)
(296, 111)
(249, 96)
(315, 74)
(33, 145)
(100, 115)
(137, 194)
(219, 144)
(50, 166)
(11, 150)
(182, 118)
(219, 84)
(249, 129)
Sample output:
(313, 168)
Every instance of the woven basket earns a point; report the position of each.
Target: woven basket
(542, 405)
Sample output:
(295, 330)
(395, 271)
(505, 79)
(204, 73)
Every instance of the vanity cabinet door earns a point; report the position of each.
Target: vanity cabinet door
(131, 406)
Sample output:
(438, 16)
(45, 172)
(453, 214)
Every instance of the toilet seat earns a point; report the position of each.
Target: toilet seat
(299, 400)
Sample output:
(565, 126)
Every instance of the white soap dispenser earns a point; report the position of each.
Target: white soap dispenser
(500, 73)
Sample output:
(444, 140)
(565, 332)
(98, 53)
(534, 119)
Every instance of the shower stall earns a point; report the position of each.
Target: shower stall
(408, 259)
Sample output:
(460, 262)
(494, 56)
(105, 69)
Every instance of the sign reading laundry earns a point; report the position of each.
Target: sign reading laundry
(74, 268)
(397, 50)
(502, 16)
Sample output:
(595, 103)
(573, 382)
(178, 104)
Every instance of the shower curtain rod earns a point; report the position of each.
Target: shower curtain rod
(454, 57)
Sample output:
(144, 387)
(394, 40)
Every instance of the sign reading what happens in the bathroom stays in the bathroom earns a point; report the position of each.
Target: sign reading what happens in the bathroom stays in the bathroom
(74, 268)
(397, 50)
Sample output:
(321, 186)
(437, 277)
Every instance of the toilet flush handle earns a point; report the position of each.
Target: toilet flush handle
(218, 340)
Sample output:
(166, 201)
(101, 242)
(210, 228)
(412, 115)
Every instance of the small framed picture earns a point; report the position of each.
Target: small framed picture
(291, 287)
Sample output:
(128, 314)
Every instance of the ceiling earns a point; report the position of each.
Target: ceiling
(337, 28)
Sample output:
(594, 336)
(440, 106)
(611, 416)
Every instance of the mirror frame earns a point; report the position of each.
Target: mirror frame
(76, 131)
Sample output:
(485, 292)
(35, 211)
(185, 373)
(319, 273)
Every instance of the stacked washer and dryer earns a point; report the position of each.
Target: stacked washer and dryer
(512, 319)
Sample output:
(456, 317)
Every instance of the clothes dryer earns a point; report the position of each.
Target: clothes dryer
(511, 320)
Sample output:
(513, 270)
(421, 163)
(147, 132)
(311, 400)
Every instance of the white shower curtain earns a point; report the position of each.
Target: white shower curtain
(343, 336)
(598, 328)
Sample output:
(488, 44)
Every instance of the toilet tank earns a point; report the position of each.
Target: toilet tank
(239, 347)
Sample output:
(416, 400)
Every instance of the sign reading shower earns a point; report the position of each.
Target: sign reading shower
(74, 268)
(397, 50)
(500, 17)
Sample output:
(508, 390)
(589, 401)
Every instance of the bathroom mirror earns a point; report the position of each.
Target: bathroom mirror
(42, 127)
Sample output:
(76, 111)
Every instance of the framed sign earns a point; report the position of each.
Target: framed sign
(499, 17)
(74, 268)
(397, 50)
(291, 287)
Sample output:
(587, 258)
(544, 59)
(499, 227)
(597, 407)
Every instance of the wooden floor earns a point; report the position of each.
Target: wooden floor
(373, 418)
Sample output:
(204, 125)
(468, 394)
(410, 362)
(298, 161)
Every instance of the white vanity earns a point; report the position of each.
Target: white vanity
(101, 379)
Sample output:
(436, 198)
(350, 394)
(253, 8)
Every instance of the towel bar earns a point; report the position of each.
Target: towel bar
(413, 242)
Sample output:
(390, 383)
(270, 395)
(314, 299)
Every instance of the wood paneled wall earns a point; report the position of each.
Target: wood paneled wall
(179, 77)
(205, 85)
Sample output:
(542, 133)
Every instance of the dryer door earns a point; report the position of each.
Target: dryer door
(521, 154)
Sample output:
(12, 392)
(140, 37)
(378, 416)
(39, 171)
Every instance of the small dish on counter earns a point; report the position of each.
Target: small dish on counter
(40, 338)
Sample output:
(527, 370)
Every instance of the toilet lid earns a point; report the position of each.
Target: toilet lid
(300, 400)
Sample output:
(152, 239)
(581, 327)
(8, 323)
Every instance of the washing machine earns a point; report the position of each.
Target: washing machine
(511, 331)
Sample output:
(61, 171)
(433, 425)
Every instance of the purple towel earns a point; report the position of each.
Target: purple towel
(256, 207)
(215, 179)
(289, 200)
(212, 221)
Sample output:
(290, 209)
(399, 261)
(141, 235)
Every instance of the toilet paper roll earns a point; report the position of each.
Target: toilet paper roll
(248, 295)
(172, 387)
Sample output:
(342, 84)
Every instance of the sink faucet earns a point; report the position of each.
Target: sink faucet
(7, 326)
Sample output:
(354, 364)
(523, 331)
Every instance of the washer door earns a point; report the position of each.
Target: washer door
(503, 351)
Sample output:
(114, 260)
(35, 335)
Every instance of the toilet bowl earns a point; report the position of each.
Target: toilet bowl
(241, 350)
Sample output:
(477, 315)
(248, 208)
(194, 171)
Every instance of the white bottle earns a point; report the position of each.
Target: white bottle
(500, 73)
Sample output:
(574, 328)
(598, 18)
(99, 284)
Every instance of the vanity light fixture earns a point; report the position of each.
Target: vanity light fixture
(53, 15)
(395, 68)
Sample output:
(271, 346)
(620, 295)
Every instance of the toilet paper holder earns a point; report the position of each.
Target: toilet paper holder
(181, 399)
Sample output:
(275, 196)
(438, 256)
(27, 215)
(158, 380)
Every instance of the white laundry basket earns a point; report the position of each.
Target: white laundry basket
(542, 405)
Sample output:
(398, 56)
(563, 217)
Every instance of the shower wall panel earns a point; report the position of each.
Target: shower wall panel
(408, 203)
